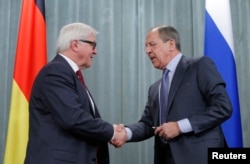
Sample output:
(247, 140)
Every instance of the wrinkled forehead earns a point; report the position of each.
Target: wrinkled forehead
(152, 36)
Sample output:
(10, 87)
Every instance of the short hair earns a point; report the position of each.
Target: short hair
(73, 31)
(168, 32)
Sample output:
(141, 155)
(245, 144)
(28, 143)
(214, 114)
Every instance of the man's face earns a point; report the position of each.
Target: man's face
(157, 50)
(86, 51)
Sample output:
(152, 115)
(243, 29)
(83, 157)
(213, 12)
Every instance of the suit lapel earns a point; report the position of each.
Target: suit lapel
(59, 58)
(156, 102)
(96, 114)
(177, 79)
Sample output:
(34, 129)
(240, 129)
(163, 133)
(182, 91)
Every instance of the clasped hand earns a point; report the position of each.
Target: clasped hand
(168, 130)
(120, 136)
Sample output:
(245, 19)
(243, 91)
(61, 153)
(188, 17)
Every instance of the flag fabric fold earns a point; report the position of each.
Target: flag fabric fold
(219, 46)
(30, 57)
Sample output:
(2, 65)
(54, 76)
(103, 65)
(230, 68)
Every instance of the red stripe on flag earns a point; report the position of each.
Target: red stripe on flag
(30, 58)
(31, 46)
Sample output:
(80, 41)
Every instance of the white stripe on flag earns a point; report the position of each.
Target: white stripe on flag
(220, 12)
(219, 47)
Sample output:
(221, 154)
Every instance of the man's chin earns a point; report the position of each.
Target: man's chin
(156, 65)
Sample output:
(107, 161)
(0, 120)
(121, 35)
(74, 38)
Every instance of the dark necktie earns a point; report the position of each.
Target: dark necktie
(164, 96)
(80, 77)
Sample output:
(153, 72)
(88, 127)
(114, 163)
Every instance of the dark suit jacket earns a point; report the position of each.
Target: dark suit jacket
(198, 93)
(62, 126)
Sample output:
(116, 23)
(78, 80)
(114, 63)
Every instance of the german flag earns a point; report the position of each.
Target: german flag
(31, 56)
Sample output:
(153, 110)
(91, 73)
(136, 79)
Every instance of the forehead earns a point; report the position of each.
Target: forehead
(91, 37)
(152, 36)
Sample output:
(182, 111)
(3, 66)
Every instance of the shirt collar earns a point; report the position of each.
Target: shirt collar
(72, 64)
(174, 62)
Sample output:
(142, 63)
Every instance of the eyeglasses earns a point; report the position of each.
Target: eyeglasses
(93, 44)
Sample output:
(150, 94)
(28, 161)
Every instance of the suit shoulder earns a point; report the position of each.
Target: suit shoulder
(200, 60)
(58, 64)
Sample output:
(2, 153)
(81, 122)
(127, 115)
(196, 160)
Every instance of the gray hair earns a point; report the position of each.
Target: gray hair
(73, 31)
(168, 32)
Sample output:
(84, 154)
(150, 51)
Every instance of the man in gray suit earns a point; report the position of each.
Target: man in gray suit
(197, 103)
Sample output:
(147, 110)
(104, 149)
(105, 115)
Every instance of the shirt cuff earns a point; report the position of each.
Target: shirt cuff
(129, 133)
(113, 136)
(185, 125)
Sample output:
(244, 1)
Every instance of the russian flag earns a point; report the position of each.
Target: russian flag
(219, 46)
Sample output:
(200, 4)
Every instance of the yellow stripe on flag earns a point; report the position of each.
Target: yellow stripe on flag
(18, 127)
(30, 58)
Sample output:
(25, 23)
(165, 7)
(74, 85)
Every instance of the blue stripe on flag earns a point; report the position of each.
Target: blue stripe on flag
(217, 48)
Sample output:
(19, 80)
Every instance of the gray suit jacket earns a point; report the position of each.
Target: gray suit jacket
(198, 93)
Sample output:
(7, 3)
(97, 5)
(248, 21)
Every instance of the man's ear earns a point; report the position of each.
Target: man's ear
(172, 44)
(74, 45)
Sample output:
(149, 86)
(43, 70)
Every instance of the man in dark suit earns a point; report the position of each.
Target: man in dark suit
(64, 123)
(197, 103)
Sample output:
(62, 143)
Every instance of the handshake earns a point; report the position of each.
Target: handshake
(120, 136)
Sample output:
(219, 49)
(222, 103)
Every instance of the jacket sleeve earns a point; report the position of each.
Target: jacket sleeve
(212, 87)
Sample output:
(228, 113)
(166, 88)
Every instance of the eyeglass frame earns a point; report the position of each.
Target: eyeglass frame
(93, 44)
